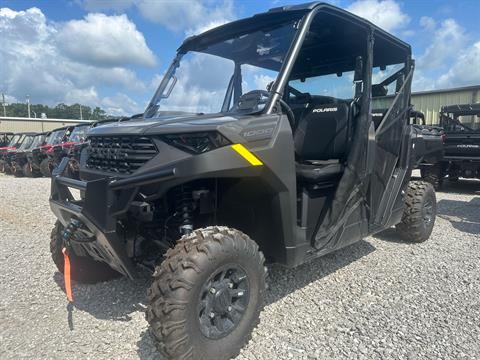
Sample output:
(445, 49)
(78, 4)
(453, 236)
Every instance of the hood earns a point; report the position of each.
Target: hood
(165, 124)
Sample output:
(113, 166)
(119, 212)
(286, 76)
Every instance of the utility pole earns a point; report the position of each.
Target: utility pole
(81, 115)
(28, 105)
(3, 103)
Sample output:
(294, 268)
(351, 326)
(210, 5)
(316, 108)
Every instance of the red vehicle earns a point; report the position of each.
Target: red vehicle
(39, 159)
(76, 136)
(14, 143)
(19, 163)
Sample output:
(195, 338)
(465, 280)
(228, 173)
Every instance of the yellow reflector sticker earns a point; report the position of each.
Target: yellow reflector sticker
(247, 155)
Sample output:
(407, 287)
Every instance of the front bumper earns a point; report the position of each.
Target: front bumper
(103, 201)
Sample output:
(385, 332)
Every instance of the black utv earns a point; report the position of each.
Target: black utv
(257, 146)
(19, 142)
(19, 162)
(461, 124)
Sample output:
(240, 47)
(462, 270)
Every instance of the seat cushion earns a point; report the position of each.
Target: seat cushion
(314, 173)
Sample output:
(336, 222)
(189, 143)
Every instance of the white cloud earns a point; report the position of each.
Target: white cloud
(448, 40)
(386, 14)
(466, 69)
(103, 40)
(428, 23)
(121, 104)
(193, 16)
(205, 90)
(34, 61)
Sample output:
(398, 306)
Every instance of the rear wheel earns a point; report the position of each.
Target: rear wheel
(17, 171)
(45, 168)
(433, 174)
(83, 268)
(207, 295)
(419, 212)
(27, 170)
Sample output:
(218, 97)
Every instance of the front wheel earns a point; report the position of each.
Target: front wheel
(419, 212)
(45, 168)
(85, 269)
(207, 295)
(27, 170)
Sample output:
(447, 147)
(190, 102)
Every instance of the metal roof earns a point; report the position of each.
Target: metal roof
(456, 89)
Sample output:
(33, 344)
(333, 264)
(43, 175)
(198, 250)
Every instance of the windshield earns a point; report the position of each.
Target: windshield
(460, 123)
(79, 133)
(26, 143)
(14, 140)
(214, 79)
(37, 141)
(55, 137)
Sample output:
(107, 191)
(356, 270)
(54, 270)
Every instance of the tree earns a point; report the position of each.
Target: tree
(60, 111)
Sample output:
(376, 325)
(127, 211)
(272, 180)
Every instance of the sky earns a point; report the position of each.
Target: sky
(112, 53)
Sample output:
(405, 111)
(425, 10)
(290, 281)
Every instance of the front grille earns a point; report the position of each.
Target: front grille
(119, 154)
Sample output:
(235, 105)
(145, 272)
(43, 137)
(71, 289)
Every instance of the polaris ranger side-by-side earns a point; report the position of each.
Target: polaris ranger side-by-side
(461, 124)
(257, 146)
(19, 162)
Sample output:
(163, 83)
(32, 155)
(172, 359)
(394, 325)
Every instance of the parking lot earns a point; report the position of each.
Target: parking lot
(379, 298)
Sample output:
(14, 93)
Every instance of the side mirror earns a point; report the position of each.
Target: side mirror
(358, 75)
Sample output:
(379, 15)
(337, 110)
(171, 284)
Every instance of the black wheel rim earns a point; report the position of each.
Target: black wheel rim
(223, 301)
(428, 212)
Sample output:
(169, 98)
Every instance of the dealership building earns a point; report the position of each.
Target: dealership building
(428, 102)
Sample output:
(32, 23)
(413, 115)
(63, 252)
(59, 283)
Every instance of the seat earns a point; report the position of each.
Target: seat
(321, 140)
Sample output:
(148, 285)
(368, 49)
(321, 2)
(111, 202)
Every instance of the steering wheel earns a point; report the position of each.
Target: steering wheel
(251, 100)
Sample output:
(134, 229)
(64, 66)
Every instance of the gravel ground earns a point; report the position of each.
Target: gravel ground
(377, 299)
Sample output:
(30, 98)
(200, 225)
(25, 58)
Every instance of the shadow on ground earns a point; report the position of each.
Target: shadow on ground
(112, 300)
(118, 299)
(464, 216)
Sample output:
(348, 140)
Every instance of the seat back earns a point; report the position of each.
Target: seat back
(322, 132)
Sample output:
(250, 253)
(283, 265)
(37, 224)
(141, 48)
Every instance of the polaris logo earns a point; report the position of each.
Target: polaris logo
(320, 110)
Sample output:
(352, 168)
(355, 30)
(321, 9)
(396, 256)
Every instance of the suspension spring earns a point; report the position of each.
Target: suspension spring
(184, 206)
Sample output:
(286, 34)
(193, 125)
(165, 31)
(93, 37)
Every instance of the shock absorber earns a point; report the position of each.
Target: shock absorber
(184, 206)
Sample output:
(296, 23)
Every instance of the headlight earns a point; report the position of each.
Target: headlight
(196, 143)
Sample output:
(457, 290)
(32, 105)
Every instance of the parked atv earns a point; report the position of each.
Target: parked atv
(7, 152)
(67, 148)
(461, 125)
(39, 159)
(204, 189)
(19, 163)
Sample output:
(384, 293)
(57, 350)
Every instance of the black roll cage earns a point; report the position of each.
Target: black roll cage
(310, 11)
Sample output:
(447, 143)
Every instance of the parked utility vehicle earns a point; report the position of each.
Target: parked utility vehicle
(19, 162)
(39, 159)
(461, 124)
(24, 141)
(12, 144)
(256, 145)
